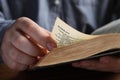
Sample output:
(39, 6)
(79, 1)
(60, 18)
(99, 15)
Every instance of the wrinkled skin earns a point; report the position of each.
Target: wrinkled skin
(18, 51)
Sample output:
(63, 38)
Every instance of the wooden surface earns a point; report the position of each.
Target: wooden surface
(62, 72)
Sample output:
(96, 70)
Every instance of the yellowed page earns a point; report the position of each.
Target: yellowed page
(83, 45)
(65, 35)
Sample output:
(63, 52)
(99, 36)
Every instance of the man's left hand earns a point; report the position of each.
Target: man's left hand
(106, 63)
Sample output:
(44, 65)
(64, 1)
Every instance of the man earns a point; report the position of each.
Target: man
(16, 31)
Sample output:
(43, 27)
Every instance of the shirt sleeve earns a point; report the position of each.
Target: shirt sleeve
(112, 27)
(4, 25)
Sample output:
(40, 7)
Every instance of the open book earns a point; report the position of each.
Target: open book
(74, 45)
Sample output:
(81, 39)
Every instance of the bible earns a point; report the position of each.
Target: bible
(74, 45)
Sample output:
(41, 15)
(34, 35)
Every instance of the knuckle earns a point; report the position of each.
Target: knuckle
(22, 19)
(45, 39)
(49, 39)
(25, 23)
(47, 36)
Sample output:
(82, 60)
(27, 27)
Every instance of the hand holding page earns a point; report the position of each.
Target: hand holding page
(74, 45)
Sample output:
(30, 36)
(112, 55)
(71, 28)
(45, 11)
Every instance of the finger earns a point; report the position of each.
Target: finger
(40, 35)
(12, 64)
(90, 65)
(21, 57)
(24, 45)
(99, 65)
(93, 65)
(112, 62)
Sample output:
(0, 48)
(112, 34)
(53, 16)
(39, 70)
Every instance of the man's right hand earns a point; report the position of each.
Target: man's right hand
(18, 51)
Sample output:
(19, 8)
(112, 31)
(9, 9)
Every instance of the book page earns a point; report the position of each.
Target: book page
(65, 35)
(83, 46)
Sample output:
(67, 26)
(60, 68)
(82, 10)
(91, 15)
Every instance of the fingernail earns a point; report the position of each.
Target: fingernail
(50, 46)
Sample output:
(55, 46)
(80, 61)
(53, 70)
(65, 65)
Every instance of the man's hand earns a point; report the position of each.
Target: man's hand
(20, 44)
(106, 63)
